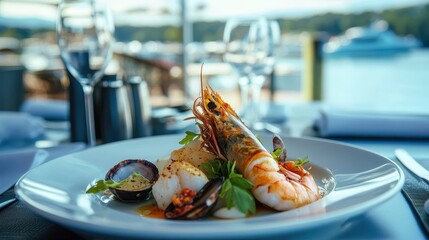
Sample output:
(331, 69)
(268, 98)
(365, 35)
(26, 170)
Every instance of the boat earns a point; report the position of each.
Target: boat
(373, 40)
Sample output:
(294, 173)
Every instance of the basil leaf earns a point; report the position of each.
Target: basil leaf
(242, 183)
(227, 194)
(236, 189)
(301, 161)
(224, 170)
(212, 168)
(277, 153)
(235, 175)
(98, 187)
(243, 200)
(190, 136)
(226, 187)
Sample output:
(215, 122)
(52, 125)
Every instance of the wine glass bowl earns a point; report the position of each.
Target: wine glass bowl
(85, 36)
(246, 44)
(249, 49)
(85, 32)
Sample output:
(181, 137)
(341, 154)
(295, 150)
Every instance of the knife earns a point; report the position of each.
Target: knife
(405, 158)
(7, 203)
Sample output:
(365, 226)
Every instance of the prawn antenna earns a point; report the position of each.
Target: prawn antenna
(201, 81)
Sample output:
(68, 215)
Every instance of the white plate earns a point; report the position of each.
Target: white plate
(56, 190)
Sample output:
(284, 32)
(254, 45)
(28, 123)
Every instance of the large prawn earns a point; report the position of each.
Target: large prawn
(282, 186)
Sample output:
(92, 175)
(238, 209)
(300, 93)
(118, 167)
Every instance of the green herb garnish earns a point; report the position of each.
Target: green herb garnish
(212, 168)
(190, 136)
(236, 189)
(276, 154)
(301, 161)
(102, 185)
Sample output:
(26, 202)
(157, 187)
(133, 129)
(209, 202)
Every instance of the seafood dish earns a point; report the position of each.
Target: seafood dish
(223, 171)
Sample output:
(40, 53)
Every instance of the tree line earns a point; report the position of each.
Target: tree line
(404, 21)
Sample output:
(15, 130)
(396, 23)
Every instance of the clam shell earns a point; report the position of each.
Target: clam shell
(124, 169)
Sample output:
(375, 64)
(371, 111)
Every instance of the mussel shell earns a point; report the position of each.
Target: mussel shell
(204, 202)
(279, 144)
(124, 169)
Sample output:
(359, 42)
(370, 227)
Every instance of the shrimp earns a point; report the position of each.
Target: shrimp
(282, 186)
(175, 176)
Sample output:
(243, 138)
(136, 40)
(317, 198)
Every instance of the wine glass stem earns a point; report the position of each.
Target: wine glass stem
(244, 91)
(89, 114)
(256, 86)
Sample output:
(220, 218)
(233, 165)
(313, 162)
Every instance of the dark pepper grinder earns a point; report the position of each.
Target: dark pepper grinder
(140, 105)
(115, 114)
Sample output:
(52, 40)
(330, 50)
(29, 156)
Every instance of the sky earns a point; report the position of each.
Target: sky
(298, 8)
(208, 10)
(166, 12)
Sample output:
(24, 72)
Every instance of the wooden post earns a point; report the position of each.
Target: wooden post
(312, 56)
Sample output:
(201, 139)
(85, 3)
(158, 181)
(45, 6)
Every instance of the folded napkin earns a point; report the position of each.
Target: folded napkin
(340, 123)
(15, 163)
(274, 113)
(49, 109)
(416, 190)
(20, 127)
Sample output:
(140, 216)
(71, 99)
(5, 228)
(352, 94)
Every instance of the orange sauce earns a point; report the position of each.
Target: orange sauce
(150, 210)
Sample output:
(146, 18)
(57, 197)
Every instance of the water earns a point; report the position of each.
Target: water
(397, 83)
(394, 83)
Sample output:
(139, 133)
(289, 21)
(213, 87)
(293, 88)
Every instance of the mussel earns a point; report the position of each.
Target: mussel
(139, 176)
(279, 144)
(202, 204)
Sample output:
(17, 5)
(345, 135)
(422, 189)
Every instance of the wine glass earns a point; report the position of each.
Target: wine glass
(248, 50)
(244, 50)
(85, 36)
(265, 67)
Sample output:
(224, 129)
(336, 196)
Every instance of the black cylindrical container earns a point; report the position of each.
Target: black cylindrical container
(140, 105)
(115, 113)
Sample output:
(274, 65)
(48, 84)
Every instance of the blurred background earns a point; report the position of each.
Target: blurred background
(352, 53)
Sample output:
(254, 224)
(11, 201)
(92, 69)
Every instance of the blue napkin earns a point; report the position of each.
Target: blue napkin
(341, 123)
(16, 127)
(170, 120)
(17, 162)
(48, 109)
